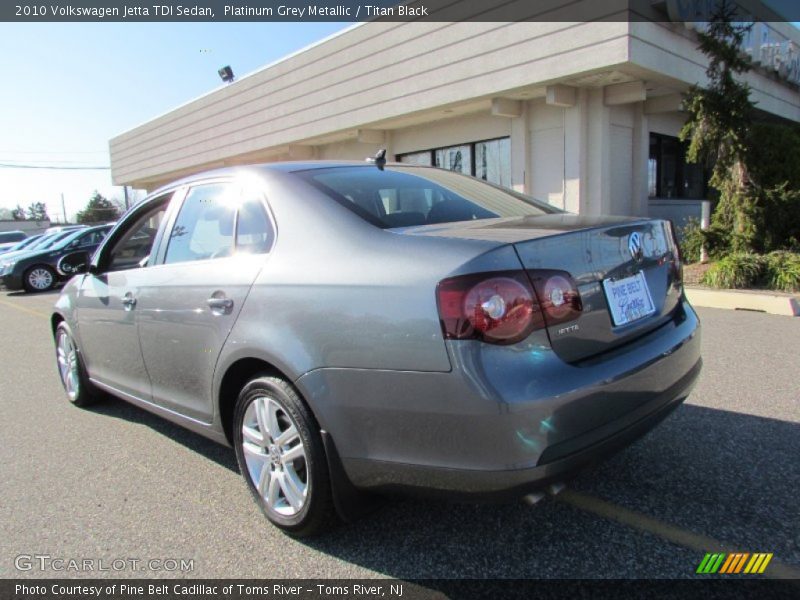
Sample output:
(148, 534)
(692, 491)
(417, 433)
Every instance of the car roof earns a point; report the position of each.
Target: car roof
(280, 167)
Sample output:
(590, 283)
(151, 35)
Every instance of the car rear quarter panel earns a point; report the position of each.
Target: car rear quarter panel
(501, 409)
(338, 292)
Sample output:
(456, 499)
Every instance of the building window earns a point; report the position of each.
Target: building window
(668, 173)
(422, 159)
(493, 161)
(489, 160)
(455, 158)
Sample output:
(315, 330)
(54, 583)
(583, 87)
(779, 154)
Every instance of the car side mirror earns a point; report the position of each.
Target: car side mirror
(74, 263)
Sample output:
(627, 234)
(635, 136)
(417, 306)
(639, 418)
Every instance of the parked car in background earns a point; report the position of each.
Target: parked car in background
(36, 271)
(349, 327)
(4, 248)
(45, 241)
(10, 238)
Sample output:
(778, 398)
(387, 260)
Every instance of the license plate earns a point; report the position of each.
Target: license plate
(629, 299)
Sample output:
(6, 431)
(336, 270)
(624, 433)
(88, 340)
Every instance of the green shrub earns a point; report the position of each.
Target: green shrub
(775, 155)
(690, 240)
(782, 223)
(718, 241)
(783, 271)
(737, 270)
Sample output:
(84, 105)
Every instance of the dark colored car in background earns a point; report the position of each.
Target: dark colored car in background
(46, 240)
(10, 238)
(36, 271)
(350, 327)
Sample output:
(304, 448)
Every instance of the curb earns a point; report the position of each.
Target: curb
(772, 303)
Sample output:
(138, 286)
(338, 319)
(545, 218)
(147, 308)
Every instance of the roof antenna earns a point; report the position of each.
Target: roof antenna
(379, 159)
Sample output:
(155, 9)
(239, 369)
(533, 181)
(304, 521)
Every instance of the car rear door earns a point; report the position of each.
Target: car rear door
(212, 252)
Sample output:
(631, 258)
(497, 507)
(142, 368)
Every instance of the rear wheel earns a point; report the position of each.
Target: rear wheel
(40, 278)
(280, 454)
(79, 389)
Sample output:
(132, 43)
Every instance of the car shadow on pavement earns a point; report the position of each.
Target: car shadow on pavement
(21, 293)
(114, 407)
(722, 474)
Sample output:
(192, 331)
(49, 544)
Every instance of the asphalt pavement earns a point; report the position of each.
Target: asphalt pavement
(114, 482)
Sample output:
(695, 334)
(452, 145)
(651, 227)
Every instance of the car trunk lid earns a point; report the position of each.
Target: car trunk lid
(626, 270)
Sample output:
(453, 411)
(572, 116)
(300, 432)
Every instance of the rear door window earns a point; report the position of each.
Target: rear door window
(254, 232)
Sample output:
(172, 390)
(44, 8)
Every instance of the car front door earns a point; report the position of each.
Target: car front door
(211, 253)
(106, 304)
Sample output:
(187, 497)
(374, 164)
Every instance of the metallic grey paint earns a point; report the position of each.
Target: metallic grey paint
(347, 312)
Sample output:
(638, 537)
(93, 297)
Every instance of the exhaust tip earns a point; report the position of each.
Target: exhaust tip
(534, 498)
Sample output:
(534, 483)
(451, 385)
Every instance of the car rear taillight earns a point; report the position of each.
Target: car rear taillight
(558, 295)
(499, 308)
(502, 307)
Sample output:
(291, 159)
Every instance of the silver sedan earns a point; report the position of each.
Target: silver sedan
(354, 329)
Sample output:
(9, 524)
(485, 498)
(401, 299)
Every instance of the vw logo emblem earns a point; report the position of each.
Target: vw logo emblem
(635, 245)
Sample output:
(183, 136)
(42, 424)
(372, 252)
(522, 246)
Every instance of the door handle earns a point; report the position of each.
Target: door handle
(128, 301)
(220, 305)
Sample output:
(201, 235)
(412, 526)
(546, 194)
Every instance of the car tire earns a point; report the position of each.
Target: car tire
(39, 278)
(281, 457)
(71, 371)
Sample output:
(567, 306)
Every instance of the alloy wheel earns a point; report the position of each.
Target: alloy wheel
(67, 357)
(275, 456)
(40, 279)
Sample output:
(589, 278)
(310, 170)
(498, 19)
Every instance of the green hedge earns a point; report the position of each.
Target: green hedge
(737, 270)
(783, 271)
(778, 270)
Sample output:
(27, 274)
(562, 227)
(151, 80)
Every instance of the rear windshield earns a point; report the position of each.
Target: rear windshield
(413, 196)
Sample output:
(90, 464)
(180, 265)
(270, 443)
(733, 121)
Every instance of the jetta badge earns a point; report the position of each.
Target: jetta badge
(635, 246)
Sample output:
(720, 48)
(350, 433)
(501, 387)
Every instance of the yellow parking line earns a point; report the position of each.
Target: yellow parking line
(25, 309)
(671, 533)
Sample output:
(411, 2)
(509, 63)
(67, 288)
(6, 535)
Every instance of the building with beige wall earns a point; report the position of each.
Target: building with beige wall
(583, 115)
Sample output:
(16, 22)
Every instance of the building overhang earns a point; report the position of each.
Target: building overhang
(346, 91)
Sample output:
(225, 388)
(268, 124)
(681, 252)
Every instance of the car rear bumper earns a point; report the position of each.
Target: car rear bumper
(468, 484)
(507, 419)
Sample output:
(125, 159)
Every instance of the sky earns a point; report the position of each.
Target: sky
(69, 88)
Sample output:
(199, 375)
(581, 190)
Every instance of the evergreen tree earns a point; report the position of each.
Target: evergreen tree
(37, 211)
(99, 210)
(719, 127)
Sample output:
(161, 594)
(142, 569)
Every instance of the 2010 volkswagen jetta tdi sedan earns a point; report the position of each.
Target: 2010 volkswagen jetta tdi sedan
(352, 327)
